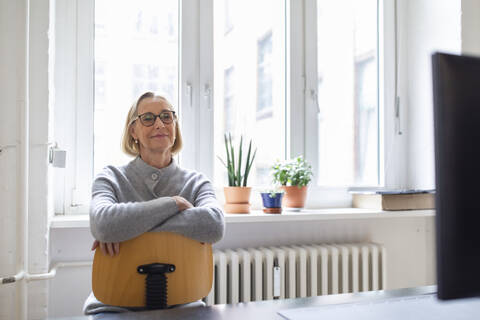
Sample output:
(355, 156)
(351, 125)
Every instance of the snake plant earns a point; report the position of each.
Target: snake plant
(234, 168)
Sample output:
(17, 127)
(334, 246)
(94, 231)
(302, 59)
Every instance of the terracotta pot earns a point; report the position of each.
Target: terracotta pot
(237, 207)
(237, 194)
(237, 199)
(294, 196)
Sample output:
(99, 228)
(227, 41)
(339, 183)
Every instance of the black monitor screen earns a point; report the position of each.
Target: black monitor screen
(456, 96)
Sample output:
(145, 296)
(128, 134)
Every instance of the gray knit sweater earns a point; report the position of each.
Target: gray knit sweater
(130, 200)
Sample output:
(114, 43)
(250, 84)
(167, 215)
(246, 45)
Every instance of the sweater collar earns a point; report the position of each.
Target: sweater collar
(147, 171)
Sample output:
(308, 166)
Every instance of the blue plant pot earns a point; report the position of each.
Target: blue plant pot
(269, 202)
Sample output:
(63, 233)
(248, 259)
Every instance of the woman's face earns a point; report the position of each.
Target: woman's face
(159, 137)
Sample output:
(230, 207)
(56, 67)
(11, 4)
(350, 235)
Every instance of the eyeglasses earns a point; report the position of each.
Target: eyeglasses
(148, 118)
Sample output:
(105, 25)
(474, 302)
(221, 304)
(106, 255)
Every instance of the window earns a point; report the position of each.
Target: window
(366, 120)
(100, 82)
(229, 111)
(251, 59)
(348, 123)
(229, 15)
(264, 76)
(296, 77)
(142, 51)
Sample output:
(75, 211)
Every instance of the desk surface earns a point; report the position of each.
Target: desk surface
(265, 309)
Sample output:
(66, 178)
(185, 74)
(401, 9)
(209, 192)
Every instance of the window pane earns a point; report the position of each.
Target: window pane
(249, 73)
(136, 50)
(347, 92)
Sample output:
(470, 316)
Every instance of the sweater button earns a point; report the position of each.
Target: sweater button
(154, 176)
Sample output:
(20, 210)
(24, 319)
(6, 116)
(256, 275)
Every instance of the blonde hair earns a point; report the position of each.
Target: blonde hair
(128, 142)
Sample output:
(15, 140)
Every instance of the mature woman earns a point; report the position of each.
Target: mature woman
(151, 193)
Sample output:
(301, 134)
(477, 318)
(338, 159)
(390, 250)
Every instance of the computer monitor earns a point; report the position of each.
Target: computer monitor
(456, 97)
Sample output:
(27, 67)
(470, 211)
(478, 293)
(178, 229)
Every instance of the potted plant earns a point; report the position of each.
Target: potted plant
(293, 176)
(237, 194)
(272, 200)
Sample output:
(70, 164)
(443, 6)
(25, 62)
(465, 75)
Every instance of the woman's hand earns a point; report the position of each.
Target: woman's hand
(182, 203)
(111, 249)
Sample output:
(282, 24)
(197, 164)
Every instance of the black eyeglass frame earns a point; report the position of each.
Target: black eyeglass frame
(155, 117)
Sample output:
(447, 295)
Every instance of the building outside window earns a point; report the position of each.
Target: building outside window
(348, 125)
(229, 102)
(255, 50)
(229, 15)
(142, 54)
(365, 120)
(264, 76)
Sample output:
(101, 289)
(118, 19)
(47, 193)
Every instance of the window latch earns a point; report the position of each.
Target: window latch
(397, 116)
(207, 93)
(189, 94)
(314, 97)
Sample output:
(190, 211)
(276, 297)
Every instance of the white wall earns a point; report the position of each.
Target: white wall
(427, 26)
(10, 88)
(471, 27)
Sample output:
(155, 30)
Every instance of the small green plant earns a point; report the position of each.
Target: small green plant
(295, 172)
(234, 169)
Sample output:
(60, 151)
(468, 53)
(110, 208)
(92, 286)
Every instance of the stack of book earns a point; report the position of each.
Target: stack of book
(383, 199)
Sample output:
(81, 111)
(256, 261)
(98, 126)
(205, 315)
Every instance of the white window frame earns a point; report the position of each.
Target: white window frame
(196, 84)
(74, 96)
(196, 99)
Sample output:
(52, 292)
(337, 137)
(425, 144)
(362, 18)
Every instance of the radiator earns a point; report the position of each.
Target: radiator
(267, 273)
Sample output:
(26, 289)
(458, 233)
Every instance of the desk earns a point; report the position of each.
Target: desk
(264, 309)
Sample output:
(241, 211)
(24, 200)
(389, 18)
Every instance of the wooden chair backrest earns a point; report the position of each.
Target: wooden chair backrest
(115, 280)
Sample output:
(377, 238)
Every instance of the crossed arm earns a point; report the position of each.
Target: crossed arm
(112, 222)
(113, 248)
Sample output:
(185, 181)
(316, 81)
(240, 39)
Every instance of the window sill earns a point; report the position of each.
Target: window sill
(70, 221)
(324, 214)
(257, 216)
